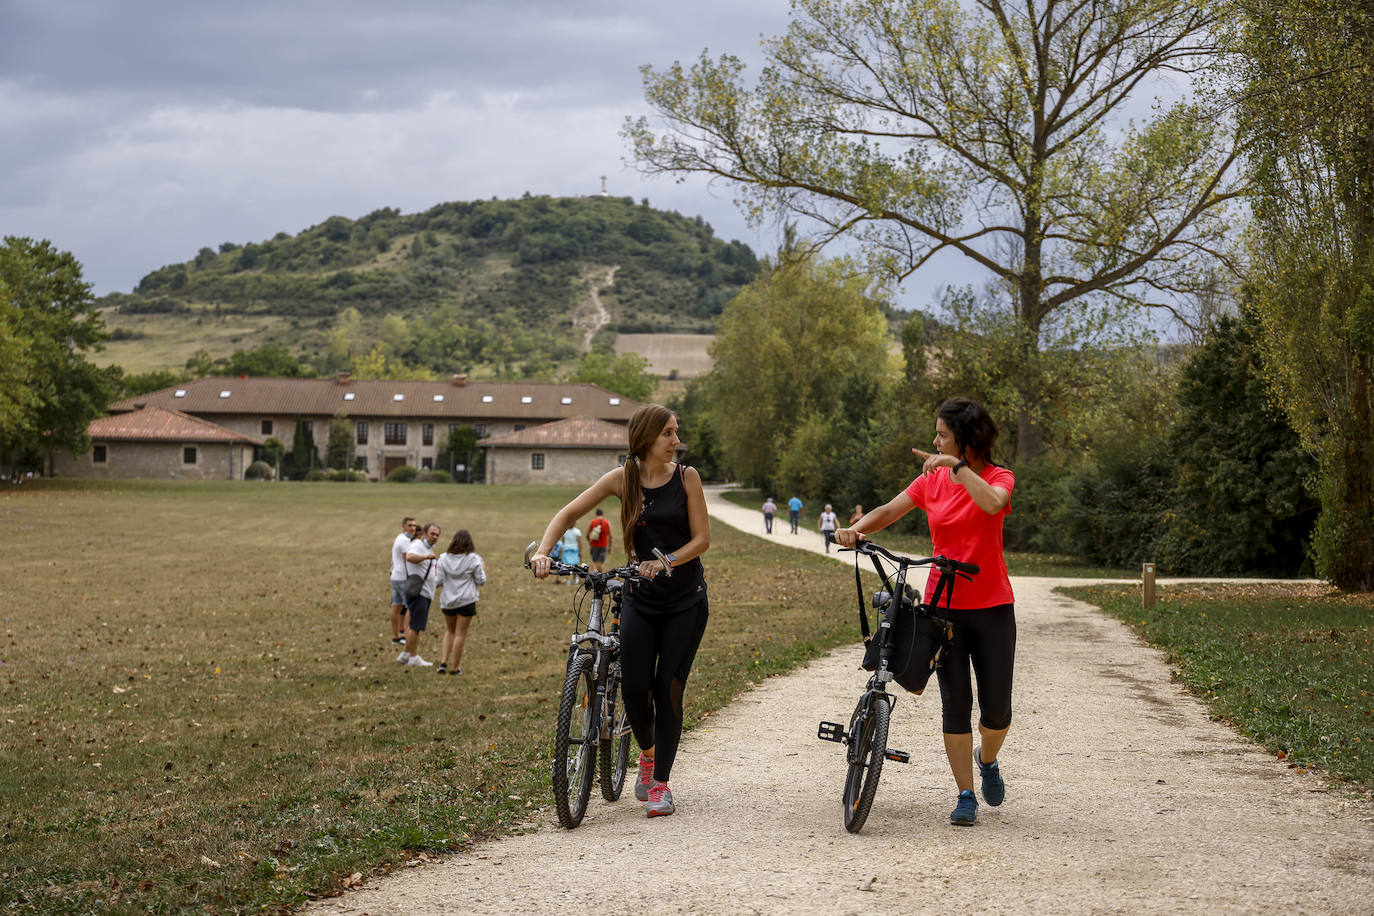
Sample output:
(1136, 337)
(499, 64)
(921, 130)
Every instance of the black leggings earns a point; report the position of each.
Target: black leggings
(656, 656)
(987, 638)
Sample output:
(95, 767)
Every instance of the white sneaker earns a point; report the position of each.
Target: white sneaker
(403, 657)
(416, 661)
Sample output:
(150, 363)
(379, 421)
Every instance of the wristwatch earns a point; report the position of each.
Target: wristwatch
(671, 558)
(955, 470)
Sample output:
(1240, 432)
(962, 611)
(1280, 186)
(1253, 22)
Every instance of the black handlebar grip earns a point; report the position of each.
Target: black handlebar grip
(970, 568)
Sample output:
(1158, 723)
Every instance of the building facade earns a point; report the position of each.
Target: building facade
(391, 424)
(575, 451)
(154, 443)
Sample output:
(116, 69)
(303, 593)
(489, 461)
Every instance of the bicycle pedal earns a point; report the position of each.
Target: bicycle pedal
(831, 731)
(899, 756)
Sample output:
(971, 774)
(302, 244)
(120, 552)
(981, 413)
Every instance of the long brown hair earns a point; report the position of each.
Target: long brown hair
(645, 425)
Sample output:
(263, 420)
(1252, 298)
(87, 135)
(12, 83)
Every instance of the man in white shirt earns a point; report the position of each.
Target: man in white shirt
(420, 558)
(398, 580)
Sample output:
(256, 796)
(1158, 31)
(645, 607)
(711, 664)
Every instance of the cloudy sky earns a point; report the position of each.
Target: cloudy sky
(137, 132)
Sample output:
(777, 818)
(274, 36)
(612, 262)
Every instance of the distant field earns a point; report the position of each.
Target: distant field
(685, 353)
(171, 339)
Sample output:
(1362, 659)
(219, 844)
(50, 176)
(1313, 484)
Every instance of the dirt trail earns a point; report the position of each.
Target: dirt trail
(1123, 797)
(592, 315)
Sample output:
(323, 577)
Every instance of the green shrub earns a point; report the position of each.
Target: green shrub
(403, 474)
(435, 477)
(339, 475)
(317, 474)
(258, 470)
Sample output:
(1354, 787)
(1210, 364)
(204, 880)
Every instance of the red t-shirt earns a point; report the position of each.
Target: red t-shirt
(962, 531)
(599, 534)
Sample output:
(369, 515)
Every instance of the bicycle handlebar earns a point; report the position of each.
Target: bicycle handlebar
(943, 563)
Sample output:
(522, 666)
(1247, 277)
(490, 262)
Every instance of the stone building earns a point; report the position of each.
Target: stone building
(154, 443)
(575, 451)
(390, 423)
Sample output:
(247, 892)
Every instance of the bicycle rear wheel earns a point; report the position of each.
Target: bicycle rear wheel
(615, 750)
(574, 743)
(867, 747)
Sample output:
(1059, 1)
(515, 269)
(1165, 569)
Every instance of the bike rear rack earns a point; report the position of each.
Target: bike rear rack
(834, 731)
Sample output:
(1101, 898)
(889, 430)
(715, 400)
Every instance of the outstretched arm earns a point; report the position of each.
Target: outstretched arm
(876, 520)
(609, 485)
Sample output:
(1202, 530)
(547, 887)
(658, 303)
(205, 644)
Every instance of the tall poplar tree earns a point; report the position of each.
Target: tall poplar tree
(994, 129)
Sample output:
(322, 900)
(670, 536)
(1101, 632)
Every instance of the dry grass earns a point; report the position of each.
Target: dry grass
(200, 708)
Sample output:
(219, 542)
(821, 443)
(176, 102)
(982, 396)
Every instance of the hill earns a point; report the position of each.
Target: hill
(499, 284)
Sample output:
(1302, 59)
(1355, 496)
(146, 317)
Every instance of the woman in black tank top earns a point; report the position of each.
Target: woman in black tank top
(661, 505)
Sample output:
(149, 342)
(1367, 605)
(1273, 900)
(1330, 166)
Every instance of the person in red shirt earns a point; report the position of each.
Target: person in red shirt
(965, 497)
(599, 536)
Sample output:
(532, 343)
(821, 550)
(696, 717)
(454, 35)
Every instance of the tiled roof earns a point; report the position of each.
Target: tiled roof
(579, 432)
(162, 425)
(378, 398)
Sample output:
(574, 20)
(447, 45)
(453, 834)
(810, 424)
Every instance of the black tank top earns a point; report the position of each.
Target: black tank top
(663, 523)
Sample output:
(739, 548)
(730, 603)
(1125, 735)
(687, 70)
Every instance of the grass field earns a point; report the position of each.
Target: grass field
(1291, 665)
(1018, 564)
(200, 707)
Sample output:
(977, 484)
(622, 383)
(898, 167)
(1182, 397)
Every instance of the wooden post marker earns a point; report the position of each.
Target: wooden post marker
(1147, 585)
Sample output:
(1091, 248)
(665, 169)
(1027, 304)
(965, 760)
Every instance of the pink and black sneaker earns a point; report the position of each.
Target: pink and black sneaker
(645, 779)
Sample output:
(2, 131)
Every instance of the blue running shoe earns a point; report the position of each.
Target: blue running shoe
(966, 811)
(994, 789)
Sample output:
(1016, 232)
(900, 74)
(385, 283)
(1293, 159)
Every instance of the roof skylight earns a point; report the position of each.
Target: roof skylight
(527, 400)
(615, 402)
(398, 397)
(438, 397)
(225, 393)
(179, 393)
(348, 395)
(566, 401)
(487, 399)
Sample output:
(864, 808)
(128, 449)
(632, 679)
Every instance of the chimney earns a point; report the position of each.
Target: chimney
(344, 377)
(460, 379)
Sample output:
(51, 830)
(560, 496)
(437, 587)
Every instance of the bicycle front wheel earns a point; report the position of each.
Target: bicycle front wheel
(574, 743)
(867, 747)
(615, 749)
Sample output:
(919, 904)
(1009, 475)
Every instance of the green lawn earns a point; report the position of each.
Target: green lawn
(1291, 665)
(1018, 563)
(200, 707)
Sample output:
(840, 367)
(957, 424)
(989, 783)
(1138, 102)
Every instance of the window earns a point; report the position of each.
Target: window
(537, 461)
(179, 393)
(98, 454)
(527, 400)
(427, 434)
(360, 462)
(565, 400)
(519, 426)
(615, 402)
(487, 399)
(225, 393)
(348, 395)
(362, 432)
(267, 427)
(188, 455)
(426, 464)
(309, 427)
(452, 430)
(481, 430)
(395, 434)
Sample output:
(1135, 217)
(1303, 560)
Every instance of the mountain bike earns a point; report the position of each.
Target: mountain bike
(590, 715)
(866, 737)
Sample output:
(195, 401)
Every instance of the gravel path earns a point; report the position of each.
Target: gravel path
(1122, 797)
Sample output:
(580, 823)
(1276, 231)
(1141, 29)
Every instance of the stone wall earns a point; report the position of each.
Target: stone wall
(577, 466)
(157, 461)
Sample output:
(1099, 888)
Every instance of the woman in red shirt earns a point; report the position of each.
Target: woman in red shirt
(965, 497)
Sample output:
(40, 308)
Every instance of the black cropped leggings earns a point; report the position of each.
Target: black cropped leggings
(656, 656)
(986, 639)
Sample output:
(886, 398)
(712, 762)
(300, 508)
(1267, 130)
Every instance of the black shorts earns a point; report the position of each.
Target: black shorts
(599, 554)
(462, 610)
(419, 613)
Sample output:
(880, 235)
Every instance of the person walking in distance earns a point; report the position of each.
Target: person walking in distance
(662, 505)
(599, 537)
(571, 543)
(398, 580)
(794, 507)
(857, 514)
(460, 573)
(965, 497)
(420, 558)
(827, 523)
(770, 509)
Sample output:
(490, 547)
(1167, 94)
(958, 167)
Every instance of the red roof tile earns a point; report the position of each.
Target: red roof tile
(578, 432)
(324, 397)
(163, 425)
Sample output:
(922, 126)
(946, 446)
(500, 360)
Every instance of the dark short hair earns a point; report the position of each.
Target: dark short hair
(598, 512)
(972, 426)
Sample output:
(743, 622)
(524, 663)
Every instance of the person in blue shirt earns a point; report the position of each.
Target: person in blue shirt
(794, 507)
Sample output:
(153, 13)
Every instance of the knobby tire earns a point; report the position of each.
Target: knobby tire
(615, 750)
(866, 753)
(574, 743)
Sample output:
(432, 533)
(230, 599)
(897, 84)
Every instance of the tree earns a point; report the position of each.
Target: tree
(48, 324)
(269, 359)
(304, 457)
(1307, 105)
(624, 374)
(273, 451)
(785, 348)
(338, 451)
(459, 447)
(987, 128)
